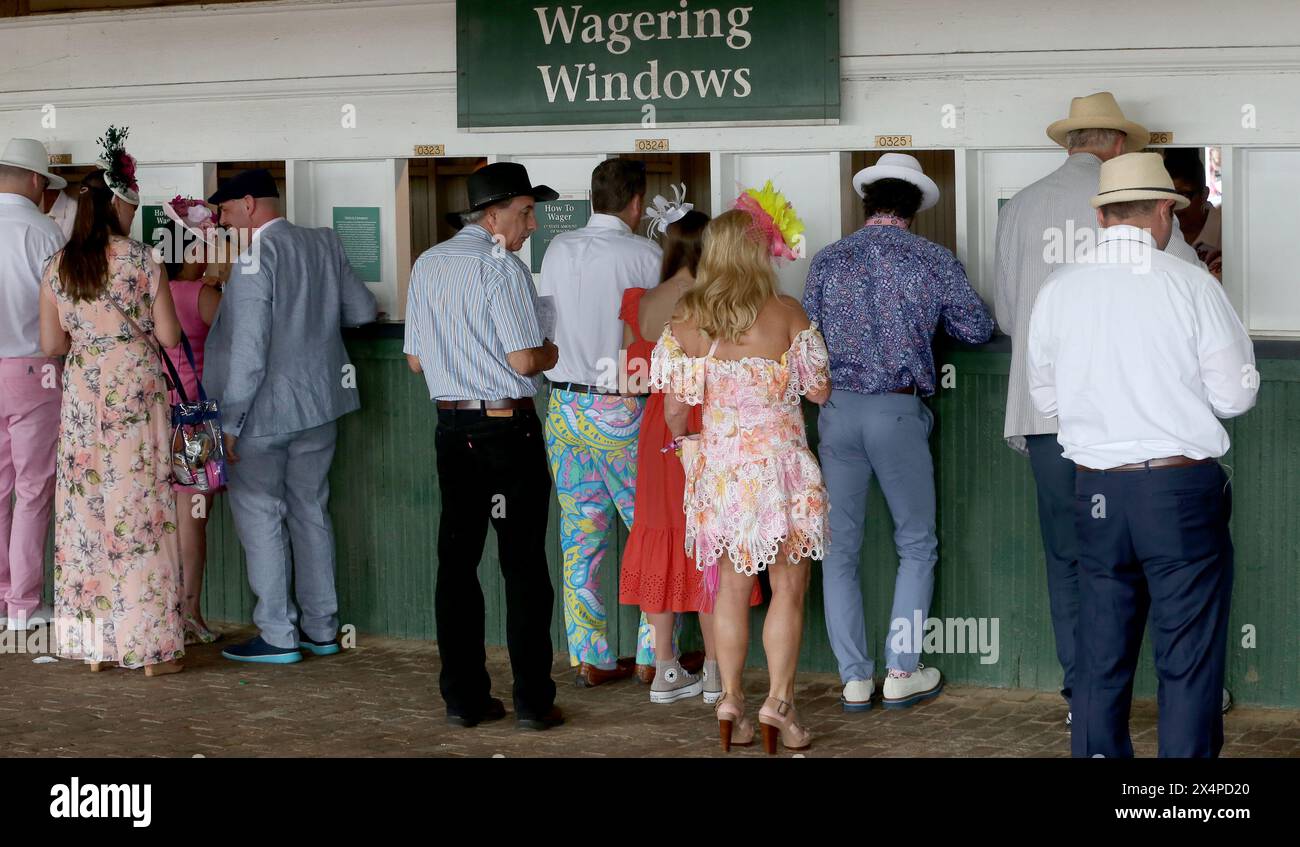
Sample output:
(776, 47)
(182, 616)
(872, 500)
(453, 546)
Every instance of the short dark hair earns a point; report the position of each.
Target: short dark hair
(891, 196)
(615, 182)
(1184, 163)
(1130, 209)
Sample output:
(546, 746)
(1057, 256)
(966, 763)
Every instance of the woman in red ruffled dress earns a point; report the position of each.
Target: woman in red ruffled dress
(657, 573)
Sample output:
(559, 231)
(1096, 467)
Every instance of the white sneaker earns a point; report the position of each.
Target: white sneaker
(903, 692)
(1227, 701)
(39, 616)
(857, 695)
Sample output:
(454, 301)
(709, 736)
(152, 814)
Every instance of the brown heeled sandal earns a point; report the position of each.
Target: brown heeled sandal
(734, 729)
(782, 720)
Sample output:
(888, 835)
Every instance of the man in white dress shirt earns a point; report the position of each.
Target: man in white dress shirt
(1137, 354)
(31, 384)
(1056, 210)
(591, 431)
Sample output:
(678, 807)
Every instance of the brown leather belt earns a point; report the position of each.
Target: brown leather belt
(1166, 462)
(492, 408)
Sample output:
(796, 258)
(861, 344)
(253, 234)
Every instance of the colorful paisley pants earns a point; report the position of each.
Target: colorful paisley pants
(591, 440)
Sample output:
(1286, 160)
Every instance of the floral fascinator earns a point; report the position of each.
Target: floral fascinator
(663, 213)
(776, 224)
(195, 215)
(118, 165)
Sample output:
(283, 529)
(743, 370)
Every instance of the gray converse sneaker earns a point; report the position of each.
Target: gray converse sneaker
(672, 683)
(712, 684)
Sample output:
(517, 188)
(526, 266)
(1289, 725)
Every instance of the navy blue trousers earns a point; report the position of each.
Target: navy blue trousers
(1154, 545)
(1054, 480)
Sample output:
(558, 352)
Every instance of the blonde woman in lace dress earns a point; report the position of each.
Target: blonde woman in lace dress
(754, 495)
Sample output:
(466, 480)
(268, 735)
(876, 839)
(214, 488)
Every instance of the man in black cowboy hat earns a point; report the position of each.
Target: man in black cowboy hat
(472, 330)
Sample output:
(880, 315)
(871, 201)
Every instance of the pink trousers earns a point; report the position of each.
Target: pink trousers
(30, 394)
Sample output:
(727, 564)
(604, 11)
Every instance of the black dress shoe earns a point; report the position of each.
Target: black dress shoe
(551, 719)
(495, 711)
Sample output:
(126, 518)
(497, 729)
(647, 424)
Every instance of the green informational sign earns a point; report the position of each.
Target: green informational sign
(152, 221)
(646, 62)
(358, 229)
(554, 218)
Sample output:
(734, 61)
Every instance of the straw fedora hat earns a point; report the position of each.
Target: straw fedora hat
(898, 166)
(1136, 176)
(30, 155)
(1099, 111)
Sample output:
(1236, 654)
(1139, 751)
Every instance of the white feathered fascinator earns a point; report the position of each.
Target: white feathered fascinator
(664, 212)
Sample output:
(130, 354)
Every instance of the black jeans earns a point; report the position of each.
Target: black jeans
(493, 469)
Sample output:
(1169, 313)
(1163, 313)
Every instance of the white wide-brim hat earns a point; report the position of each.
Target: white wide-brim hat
(898, 166)
(31, 155)
(1099, 111)
(1136, 176)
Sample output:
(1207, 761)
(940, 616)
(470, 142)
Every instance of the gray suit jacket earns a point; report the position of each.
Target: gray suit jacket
(274, 357)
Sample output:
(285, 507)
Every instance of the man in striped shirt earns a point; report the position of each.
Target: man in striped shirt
(472, 331)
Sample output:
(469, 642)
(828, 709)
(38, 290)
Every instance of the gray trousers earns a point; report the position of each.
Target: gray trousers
(279, 495)
(886, 435)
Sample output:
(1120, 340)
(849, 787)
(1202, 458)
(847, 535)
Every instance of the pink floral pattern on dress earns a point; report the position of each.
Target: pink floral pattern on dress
(754, 490)
(116, 552)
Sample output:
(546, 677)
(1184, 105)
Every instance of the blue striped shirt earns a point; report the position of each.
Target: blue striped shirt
(467, 308)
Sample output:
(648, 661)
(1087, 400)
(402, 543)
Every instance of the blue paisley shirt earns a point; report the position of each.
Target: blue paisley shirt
(878, 295)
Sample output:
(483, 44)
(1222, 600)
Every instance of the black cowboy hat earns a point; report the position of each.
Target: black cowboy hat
(497, 182)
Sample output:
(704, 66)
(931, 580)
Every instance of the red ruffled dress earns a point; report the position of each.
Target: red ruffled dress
(657, 573)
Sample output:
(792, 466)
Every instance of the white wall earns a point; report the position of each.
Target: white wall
(272, 81)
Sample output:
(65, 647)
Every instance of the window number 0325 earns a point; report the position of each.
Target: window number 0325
(893, 141)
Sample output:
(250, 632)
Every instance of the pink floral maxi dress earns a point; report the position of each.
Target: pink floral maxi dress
(116, 552)
(754, 491)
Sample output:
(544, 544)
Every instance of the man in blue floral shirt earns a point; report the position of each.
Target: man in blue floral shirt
(878, 296)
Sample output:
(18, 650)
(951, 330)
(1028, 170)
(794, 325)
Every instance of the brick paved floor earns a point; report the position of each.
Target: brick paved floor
(381, 699)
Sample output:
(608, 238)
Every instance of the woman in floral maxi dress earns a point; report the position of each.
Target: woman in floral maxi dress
(117, 585)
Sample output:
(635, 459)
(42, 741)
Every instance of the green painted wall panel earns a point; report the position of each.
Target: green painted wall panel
(385, 506)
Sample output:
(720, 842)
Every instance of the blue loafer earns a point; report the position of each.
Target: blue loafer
(318, 648)
(257, 650)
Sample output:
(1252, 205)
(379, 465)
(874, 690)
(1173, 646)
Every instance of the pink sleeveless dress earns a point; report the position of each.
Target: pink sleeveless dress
(185, 295)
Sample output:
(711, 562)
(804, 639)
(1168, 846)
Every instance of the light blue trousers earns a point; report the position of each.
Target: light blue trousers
(279, 497)
(886, 435)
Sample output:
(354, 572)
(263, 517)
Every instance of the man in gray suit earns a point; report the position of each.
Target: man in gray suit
(276, 363)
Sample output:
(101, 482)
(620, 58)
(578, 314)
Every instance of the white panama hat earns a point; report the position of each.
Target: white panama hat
(898, 166)
(31, 155)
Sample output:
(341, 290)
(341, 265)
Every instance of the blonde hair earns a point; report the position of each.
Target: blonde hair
(734, 280)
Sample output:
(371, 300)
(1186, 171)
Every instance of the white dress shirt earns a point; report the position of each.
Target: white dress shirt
(1058, 203)
(587, 271)
(1137, 354)
(27, 239)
